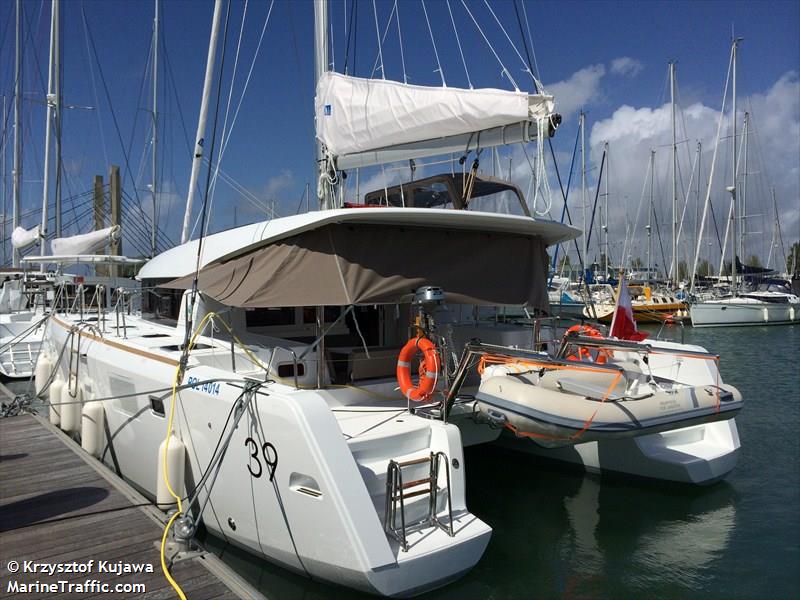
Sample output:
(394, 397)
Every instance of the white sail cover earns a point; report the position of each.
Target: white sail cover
(22, 238)
(357, 115)
(86, 243)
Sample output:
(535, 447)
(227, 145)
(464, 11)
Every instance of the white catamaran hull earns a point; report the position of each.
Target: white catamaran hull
(697, 454)
(292, 488)
(701, 454)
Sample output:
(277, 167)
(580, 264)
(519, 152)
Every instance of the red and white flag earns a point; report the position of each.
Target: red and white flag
(623, 325)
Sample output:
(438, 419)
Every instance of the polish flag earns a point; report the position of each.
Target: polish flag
(623, 325)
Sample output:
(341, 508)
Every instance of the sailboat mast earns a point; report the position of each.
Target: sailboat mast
(3, 161)
(583, 185)
(674, 268)
(321, 67)
(743, 203)
(17, 172)
(605, 215)
(201, 122)
(650, 216)
(48, 125)
(154, 174)
(732, 189)
(57, 112)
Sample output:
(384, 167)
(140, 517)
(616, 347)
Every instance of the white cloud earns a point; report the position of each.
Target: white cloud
(582, 88)
(278, 183)
(626, 66)
(773, 160)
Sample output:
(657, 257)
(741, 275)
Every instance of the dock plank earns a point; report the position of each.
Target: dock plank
(57, 507)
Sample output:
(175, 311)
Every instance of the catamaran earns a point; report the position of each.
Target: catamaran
(280, 410)
(317, 466)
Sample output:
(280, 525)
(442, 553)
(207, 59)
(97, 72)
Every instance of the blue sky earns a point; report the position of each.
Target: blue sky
(601, 56)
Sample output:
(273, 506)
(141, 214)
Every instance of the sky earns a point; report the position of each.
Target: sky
(608, 59)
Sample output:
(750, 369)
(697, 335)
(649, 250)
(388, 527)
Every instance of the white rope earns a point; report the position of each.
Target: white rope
(435, 51)
(382, 40)
(488, 43)
(400, 37)
(539, 181)
(333, 47)
(525, 66)
(378, 35)
(458, 42)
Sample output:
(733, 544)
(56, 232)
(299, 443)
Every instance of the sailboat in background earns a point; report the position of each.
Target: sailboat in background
(742, 306)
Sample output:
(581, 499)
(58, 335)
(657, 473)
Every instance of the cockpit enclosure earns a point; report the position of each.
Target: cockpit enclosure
(457, 191)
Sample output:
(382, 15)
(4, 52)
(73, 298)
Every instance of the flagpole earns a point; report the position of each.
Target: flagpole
(616, 303)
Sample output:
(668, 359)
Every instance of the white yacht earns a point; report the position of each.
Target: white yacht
(340, 481)
(757, 307)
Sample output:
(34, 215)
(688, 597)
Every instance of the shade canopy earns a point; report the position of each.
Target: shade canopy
(372, 263)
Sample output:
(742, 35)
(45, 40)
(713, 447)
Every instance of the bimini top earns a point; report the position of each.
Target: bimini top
(370, 256)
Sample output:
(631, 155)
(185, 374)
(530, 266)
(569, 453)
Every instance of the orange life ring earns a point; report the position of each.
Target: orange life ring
(583, 353)
(428, 368)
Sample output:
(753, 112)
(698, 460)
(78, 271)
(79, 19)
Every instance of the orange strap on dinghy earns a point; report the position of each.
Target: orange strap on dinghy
(428, 368)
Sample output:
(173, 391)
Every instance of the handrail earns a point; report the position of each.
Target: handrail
(294, 360)
(646, 348)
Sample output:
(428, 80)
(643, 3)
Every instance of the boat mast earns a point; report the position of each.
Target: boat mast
(57, 114)
(201, 122)
(650, 216)
(732, 188)
(16, 174)
(605, 215)
(48, 125)
(154, 174)
(4, 182)
(743, 203)
(583, 188)
(321, 66)
(673, 272)
(774, 230)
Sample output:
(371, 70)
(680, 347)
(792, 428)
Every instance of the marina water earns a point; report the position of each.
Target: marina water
(559, 533)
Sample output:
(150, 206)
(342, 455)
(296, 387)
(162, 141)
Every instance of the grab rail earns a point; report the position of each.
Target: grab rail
(294, 360)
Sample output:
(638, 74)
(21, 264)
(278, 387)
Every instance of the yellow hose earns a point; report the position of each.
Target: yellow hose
(165, 466)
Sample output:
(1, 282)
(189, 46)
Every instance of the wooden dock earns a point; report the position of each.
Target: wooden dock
(59, 506)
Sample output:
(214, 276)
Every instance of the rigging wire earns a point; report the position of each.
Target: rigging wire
(458, 43)
(228, 107)
(503, 29)
(378, 35)
(536, 84)
(349, 33)
(111, 107)
(400, 38)
(488, 43)
(433, 41)
(383, 39)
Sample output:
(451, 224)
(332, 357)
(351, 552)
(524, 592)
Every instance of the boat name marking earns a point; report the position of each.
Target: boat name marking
(209, 387)
(269, 454)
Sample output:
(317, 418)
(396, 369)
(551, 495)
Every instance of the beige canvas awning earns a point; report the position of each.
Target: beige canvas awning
(342, 264)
